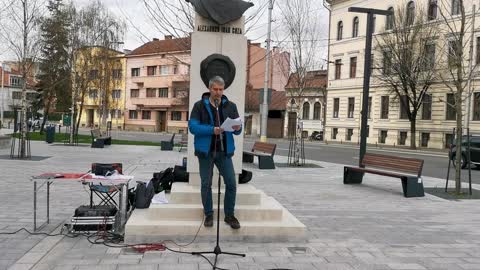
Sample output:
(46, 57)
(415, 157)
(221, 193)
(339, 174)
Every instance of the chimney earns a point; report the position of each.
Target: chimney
(168, 37)
(155, 39)
(127, 51)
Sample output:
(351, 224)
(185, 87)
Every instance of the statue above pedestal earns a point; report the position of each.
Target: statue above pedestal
(220, 11)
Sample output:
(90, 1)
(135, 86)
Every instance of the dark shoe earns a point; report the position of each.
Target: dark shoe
(233, 222)
(208, 221)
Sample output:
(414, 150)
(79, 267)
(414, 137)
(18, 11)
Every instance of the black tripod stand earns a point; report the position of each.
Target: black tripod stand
(217, 250)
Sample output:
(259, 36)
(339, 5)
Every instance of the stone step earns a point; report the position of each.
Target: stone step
(140, 228)
(183, 193)
(268, 210)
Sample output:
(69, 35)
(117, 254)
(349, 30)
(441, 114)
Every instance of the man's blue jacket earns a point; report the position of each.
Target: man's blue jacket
(201, 124)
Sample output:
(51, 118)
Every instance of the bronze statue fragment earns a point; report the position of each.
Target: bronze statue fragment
(220, 11)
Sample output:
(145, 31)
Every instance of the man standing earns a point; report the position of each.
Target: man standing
(213, 145)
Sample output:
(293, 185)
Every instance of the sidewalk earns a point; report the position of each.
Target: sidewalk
(368, 226)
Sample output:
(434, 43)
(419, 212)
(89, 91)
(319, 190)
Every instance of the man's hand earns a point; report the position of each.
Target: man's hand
(217, 130)
(236, 128)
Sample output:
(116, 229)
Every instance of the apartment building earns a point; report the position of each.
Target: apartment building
(387, 124)
(11, 88)
(157, 83)
(101, 85)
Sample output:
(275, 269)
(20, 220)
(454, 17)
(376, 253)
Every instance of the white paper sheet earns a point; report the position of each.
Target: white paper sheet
(160, 198)
(229, 123)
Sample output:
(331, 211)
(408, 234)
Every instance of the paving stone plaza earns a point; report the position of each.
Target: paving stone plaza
(368, 226)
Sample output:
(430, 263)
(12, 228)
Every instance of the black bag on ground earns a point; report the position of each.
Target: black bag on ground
(163, 180)
(144, 194)
(245, 177)
(180, 174)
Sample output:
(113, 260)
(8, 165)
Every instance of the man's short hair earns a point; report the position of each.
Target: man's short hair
(216, 80)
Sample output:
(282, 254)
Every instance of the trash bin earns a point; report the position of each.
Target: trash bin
(50, 138)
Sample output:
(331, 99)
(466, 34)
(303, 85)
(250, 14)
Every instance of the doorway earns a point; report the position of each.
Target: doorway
(90, 117)
(292, 124)
(161, 121)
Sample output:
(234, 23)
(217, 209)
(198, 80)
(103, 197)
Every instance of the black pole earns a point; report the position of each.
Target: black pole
(367, 71)
(366, 88)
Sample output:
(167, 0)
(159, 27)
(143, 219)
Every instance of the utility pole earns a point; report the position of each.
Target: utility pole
(366, 76)
(264, 107)
(3, 96)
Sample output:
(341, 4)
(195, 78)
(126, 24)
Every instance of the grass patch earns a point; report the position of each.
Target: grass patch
(61, 137)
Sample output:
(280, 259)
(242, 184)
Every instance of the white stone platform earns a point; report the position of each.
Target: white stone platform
(262, 218)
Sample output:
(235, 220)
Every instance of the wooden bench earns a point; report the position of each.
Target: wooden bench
(264, 152)
(409, 170)
(167, 145)
(99, 140)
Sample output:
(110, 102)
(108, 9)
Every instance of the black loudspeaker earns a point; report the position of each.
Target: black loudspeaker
(106, 168)
(245, 177)
(180, 174)
(95, 211)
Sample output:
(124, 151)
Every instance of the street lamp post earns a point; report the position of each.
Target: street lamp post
(367, 71)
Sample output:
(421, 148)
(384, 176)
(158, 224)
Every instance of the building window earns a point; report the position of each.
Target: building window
(134, 93)
(115, 114)
(135, 72)
(93, 74)
(451, 111)
(176, 116)
(425, 138)
(383, 136)
(306, 111)
(448, 140)
(402, 139)
(163, 70)
(16, 95)
(432, 10)
(339, 30)
(116, 94)
(456, 7)
(429, 57)
(334, 133)
(353, 67)
(132, 114)
(476, 106)
(452, 52)
(151, 70)
(163, 92)
(387, 62)
(410, 13)
(355, 27)
(404, 106)
(93, 93)
(338, 68)
(427, 107)
(351, 107)
(175, 69)
(477, 52)
(146, 115)
(374, 23)
(369, 107)
(336, 107)
(151, 92)
(15, 81)
(348, 134)
(117, 74)
(389, 20)
(316, 110)
(384, 107)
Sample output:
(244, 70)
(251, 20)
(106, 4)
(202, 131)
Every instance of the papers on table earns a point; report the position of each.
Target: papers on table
(229, 123)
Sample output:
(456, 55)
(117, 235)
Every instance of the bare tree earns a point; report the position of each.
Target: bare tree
(19, 28)
(457, 67)
(302, 32)
(408, 64)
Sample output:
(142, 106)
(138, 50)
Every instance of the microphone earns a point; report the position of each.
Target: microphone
(218, 119)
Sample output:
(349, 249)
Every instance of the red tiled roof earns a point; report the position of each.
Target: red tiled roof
(314, 79)
(163, 46)
(278, 103)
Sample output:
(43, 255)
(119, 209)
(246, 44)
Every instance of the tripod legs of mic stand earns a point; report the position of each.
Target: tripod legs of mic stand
(217, 250)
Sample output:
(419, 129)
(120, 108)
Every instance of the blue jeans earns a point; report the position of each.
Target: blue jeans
(225, 167)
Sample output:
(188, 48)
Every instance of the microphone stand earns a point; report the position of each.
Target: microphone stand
(217, 250)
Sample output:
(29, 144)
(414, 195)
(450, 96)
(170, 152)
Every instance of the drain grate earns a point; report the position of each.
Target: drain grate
(297, 250)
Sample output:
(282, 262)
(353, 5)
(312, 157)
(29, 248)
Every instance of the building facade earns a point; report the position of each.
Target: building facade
(157, 83)
(307, 103)
(101, 99)
(386, 121)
